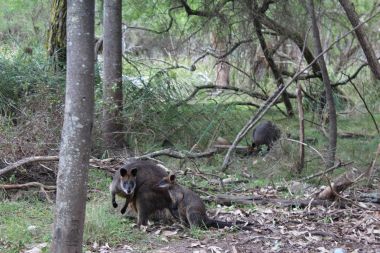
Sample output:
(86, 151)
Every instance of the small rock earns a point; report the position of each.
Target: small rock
(339, 250)
(32, 229)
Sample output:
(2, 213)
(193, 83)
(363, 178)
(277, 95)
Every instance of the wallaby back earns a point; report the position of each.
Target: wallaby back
(265, 134)
(191, 209)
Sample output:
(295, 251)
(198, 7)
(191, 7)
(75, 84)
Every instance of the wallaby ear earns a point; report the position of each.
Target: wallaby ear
(134, 172)
(123, 172)
(172, 178)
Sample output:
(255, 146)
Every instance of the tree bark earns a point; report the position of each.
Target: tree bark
(56, 39)
(328, 90)
(76, 133)
(301, 161)
(272, 64)
(222, 68)
(113, 135)
(360, 34)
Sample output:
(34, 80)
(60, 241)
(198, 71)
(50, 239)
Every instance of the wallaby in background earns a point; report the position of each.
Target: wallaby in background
(137, 182)
(265, 133)
(191, 209)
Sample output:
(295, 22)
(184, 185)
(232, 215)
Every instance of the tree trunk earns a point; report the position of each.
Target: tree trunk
(222, 68)
(56, 39)
(272, 64)
(328, 90)
(112, 83)
(76, 133)
(301, 161)
(360, 34)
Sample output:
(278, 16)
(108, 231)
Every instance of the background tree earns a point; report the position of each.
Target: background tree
(362, 38)
(113, 135)
(56, 39)
(328, 89)
(76, 133)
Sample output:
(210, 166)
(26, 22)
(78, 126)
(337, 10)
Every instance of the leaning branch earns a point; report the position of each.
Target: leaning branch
(198, 88)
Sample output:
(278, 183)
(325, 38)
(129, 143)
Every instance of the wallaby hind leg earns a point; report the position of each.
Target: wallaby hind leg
(125, 206)
(114, 204)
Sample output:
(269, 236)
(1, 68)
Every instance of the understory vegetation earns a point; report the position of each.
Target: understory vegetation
(159, 113)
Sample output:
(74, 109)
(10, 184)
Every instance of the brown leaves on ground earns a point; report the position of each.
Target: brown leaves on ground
(313, 229)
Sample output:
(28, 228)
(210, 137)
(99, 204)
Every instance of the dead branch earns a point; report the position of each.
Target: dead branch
(339, 185)
(337, 165)
(371, 171)
(355, 74)
(27, 185)
(159, 32)
(27, 160)
(366, 106)
(198, 88)
(177, 154)
(104, 164)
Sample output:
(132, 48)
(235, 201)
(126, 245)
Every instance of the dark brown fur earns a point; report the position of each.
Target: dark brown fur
(142, 178)
(191, 209)
(265, 134)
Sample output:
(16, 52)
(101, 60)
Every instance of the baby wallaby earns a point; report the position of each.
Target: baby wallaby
(191, 209)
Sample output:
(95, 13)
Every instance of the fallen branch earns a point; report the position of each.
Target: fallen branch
(42, 187)
(177, 154)
(27, 160)
(203, 87)
(340, 184)
(98, 163)
(27, 185)
(337, 165)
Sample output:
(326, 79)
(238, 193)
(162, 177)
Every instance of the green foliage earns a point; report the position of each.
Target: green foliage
(22, 75)
(15, 219)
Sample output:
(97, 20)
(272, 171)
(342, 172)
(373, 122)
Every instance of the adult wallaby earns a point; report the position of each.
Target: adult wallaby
(191, 209)
(137, 183)
(265, 133)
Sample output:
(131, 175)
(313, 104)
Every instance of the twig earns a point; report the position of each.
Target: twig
(337, 165)
(366, 106)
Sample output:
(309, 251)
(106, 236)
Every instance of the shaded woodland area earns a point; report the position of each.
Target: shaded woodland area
(261, 115)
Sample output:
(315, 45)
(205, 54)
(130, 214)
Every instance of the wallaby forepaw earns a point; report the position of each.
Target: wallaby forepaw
(114, 204)
(123, 210)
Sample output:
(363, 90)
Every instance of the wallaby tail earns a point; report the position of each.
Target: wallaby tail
(218, 224)
(222, 224)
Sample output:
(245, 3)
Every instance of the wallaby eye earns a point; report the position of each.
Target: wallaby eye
(123, 172)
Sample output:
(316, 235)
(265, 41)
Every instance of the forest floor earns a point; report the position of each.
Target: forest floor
(311, 229)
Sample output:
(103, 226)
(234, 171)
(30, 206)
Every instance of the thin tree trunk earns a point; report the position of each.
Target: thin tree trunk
(272, 64)
(301, 161)
(56, 37)
(222, 68)
(113, 135)
(76, 133)
(360, 34)
(329, 94)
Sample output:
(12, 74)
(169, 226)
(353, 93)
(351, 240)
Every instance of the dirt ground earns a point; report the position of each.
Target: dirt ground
(272, 229)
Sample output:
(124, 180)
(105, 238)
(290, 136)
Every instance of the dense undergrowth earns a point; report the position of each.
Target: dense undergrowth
(31, 105)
